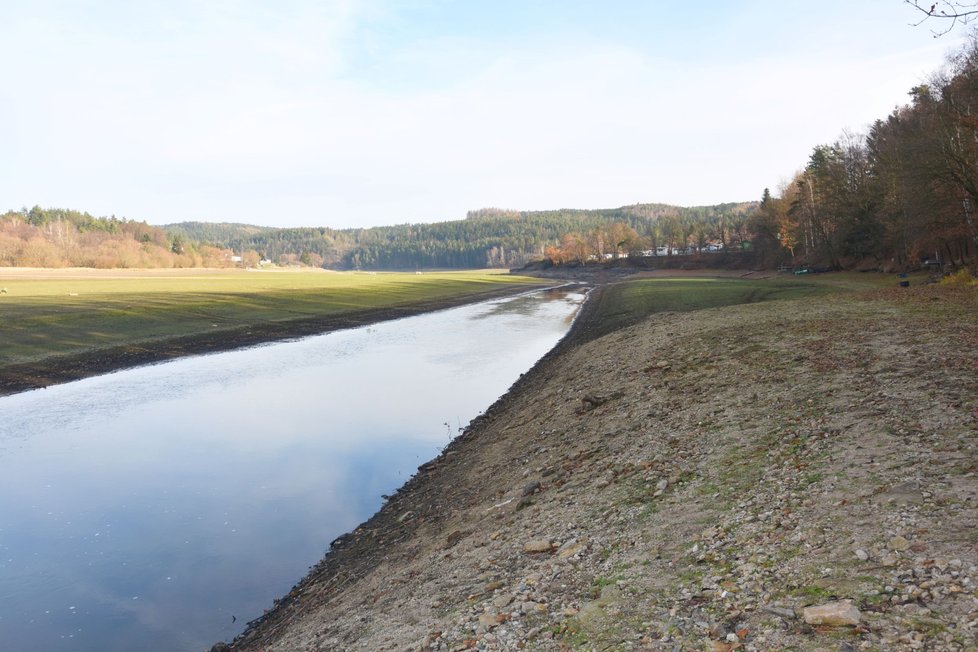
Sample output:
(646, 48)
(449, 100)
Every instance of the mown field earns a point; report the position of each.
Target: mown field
(51, 314)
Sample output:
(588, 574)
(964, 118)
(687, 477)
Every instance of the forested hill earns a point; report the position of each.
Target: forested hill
(488, 237)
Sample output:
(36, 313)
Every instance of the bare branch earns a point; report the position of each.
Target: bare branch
(949, 12)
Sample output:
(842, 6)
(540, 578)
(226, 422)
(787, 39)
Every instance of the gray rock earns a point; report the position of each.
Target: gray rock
(501, 601)
(785, 612)
(903, 494)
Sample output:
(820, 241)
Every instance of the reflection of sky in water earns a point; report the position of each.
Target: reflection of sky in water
(140, 510)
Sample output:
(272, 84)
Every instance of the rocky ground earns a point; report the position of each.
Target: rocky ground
(791, 475)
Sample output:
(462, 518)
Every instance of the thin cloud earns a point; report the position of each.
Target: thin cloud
(348, 113)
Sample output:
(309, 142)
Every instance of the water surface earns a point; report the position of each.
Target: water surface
(161, 508)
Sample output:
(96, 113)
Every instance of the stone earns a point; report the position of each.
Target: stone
(570, 550)
(454, 537)
(491, 620)
(833, 613)
(590, 401)
(537, 545)
(903, 494)
(785, 612)
(862, 555)
(501, 601)
(899, 544)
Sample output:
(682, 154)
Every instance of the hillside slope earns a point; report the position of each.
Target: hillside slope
(486, 238)
(691, 482)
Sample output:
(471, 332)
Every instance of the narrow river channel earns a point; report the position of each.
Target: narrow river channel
(161, 508)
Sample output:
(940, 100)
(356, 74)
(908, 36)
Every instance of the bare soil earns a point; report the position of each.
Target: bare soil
(691, 482)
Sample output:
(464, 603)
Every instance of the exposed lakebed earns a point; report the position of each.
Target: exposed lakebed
(162, 507)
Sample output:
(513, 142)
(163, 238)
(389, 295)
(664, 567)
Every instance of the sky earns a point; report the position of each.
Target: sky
(357, 113)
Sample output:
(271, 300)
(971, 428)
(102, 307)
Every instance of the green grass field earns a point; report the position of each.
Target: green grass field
(60, 313)
(58, 325)
(627, 303)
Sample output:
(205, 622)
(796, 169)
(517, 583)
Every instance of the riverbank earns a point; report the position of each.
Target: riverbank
(64, 325)
(692, 481)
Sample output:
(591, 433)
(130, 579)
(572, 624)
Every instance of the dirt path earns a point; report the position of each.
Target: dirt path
(693, 482)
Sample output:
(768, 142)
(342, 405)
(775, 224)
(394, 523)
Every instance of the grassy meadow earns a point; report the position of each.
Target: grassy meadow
(629, 302)
(62, 324)
(54, 313)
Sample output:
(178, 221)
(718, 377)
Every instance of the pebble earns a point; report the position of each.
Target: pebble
(570, 550)
(833, 613)
(501, 601)
(737, 569)
(899, 544)
(537, 545)
(489, 620)
(785, 612)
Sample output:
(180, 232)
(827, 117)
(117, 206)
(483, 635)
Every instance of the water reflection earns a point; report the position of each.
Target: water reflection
(144, 509)
(535, 303)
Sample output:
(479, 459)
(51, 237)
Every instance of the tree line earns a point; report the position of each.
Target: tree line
(690, 231)
(904, 193)
(487, 237)
(58, 237)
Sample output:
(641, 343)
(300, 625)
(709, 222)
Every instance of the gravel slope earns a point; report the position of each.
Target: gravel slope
(693, 482)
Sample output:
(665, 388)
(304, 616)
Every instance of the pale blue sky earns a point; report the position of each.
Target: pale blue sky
(357, 113)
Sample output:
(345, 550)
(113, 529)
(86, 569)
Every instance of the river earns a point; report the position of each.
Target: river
(160, 508)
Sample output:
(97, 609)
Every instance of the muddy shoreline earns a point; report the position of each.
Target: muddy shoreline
(694, 481)
(63, 369)
(354, 554)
